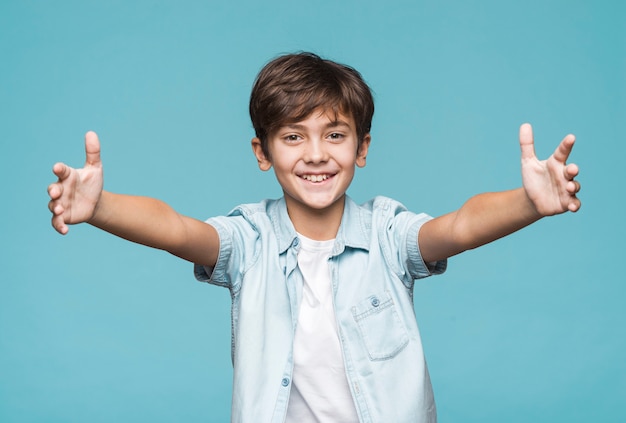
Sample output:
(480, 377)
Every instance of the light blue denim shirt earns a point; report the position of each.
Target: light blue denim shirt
(373, 264)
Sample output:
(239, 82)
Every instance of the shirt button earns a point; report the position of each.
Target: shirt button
(375, 302)
(296, 242)
(285, 381)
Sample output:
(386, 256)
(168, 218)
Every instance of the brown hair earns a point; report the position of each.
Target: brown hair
(289, 88)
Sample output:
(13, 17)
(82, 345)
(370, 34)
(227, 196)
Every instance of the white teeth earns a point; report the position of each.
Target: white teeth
(315, 178)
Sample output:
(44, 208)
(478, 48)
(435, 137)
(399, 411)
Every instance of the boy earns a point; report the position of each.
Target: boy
(323, 327)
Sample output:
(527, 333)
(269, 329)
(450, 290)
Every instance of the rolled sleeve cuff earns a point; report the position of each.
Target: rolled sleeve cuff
(217, 275)
(417, 267)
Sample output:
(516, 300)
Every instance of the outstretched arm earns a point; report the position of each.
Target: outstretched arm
(548, 188)
(78, 197)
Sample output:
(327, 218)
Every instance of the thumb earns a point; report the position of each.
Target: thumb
(92, 149)
(526, 141)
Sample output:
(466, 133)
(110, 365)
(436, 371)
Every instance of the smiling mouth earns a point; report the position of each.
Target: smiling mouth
(316, 178)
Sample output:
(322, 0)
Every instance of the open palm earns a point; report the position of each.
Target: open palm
(74, 197)
(550, 183)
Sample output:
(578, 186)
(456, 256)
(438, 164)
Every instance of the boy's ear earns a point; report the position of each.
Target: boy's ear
(264, 162)
(361, 154)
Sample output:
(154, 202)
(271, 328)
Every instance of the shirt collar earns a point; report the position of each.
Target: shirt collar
(354, 230)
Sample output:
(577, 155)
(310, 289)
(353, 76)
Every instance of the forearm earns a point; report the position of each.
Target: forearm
(151, 222)
(481, 220)
(490, 216)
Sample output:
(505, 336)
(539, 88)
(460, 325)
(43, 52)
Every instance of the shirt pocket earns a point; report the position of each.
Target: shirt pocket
(380, 327)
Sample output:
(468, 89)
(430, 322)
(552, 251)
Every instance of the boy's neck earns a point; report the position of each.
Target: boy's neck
(319, 225)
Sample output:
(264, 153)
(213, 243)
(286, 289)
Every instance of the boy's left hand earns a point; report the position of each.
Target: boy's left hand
(550, 183)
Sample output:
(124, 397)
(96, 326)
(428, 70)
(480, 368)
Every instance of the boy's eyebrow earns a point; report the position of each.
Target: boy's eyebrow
(332, 124)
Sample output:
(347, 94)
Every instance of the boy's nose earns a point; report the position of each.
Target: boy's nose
(316, 152)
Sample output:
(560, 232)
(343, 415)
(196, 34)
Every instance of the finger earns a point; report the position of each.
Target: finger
(53, 191)
(564, 149)
(573, 187)
(526, 141)
(59, 225)
(570, 171)
(574, 205)
(56, 208)
(61, 170)
(92, 149)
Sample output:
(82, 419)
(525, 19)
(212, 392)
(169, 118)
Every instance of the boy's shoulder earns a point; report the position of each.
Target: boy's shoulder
(251, 209)
(382, 209)
(260, 217)
(381, 202)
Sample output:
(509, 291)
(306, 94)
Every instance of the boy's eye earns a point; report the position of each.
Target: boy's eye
(292, 138)
(335, 136)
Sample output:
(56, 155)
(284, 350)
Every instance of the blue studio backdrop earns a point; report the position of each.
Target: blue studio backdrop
(93, 328)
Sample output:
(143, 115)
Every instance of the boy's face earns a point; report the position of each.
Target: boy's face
(314, 160)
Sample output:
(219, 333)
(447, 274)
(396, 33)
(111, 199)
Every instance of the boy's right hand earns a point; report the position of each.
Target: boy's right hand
(74, 197)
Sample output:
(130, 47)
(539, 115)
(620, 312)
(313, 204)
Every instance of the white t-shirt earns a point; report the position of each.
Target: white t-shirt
(319, 391)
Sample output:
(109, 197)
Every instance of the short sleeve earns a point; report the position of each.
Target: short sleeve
(398, 230)
(415, 264)
(237, 248)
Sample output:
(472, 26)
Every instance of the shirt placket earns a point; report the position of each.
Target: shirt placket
(355, 389)
(293, 280)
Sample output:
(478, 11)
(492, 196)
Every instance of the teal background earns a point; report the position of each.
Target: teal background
(92, 328)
